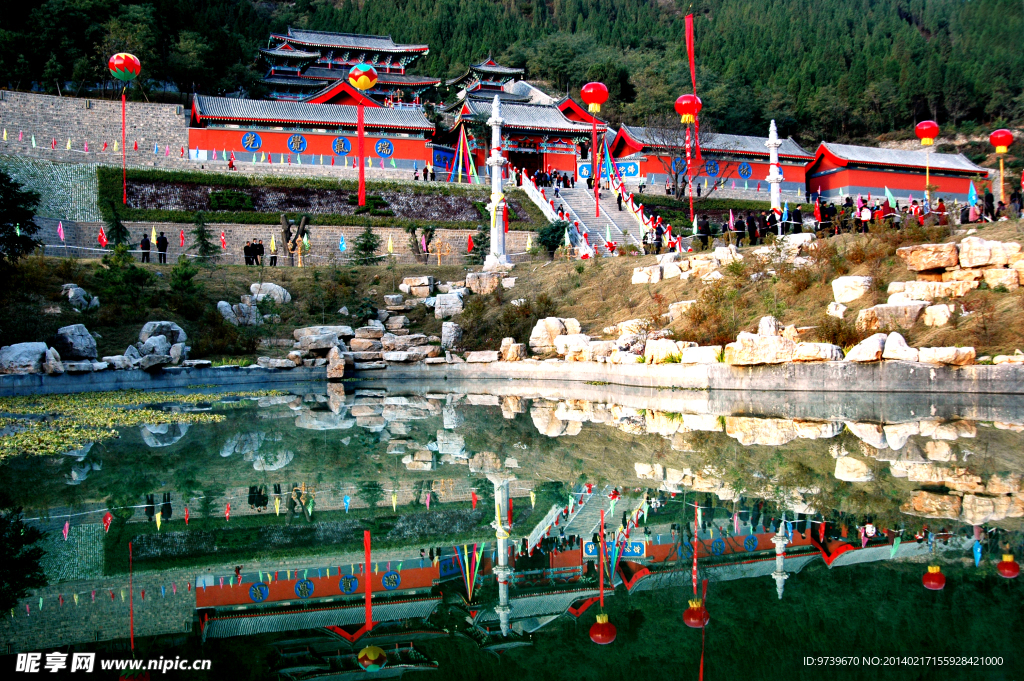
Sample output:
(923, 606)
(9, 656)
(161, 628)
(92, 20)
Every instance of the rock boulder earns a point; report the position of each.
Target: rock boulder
(447, 305)
(868, 350)
(278, 293)
(750, 349)
(951, 355)
(925, 257)
(451, 335)
(817, 352)
(849, 289)
(75, 342)
(24, 358)
(170, 330)
(896, 348)
(890, 316)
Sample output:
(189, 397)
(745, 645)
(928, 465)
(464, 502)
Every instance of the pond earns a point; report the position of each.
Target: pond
(236, 528)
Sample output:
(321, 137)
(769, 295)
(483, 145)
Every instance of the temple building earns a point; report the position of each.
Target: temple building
(302, 64)
(847, 170)
(266, 131)
(539, 132)
(738, 162)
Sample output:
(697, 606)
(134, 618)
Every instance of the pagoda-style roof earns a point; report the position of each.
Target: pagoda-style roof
(342, 90)
(540, 117)
(275, 112)
(294, 81)
(539, 604)
(350, 41)
(287, 52)
(847, 154)
(635, 139)
(488, 69)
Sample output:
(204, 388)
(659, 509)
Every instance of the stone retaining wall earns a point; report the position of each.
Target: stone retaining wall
(823, 377)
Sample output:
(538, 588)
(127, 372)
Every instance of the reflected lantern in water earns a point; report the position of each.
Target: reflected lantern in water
(1008, 567)
(934, 579)
(696, 616)
(602, 632)
(372, 658)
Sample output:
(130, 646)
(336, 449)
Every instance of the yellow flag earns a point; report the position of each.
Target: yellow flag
(115, 145)
(152, 235)
(68, 146)
(5, 134)
(533, 498)
(122, 595)
(391, 246)
(277, 501)
(528, 248)
(158, 521)
(321, 159)
(76, 599)
(394, 501)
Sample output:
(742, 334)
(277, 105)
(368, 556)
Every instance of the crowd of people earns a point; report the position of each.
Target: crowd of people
(254, 251)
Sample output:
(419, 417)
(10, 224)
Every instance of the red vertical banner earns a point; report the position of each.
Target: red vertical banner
(362, 160)
(689, 51)
(124, 155)
(366, 579)
(131, 592)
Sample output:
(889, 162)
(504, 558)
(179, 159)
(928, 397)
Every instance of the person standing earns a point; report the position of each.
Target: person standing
(247, 253)
(145, 246)
(659, 233)
(990, 205)
(432, 176)
(273, 249)
(161, 247)
(751, 229)
(797, 218)
(260, 250)
(618, 200)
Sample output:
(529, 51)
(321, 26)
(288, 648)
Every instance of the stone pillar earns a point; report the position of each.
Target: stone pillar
(502, 524)
(495, 162)
(780, 575)
(774, 173)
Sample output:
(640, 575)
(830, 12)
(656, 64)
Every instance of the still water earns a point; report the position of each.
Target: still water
(802, 528)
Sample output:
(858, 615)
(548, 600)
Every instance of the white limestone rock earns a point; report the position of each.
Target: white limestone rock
(170, 330)
(24, 358)
(447, 305)
(647, 275)
(751, 349)
(896, 348)
(836, 310)
(482, 357)
(817, 352)
(769, 326)
(868, 350)
(278, 293)
(849, 469)
(949, 355)
(938, 315)
(707, 354)
(849, 289)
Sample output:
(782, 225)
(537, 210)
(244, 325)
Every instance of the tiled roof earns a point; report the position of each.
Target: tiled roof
(900, 157)
(297, 54)
(379, 43)
(490, 66)
(741, 144)
(294, 80)
(261, 623)
(531, 117)
(540, 604)
(226, 109)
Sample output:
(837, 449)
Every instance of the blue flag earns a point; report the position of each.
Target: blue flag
(977, 553)
(341, 244)
(785, 212)
(347, 499)
(972, 195)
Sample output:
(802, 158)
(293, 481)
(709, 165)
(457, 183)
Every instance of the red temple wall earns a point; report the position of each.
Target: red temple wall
(728, 170)
(905, 182)
(277, 143)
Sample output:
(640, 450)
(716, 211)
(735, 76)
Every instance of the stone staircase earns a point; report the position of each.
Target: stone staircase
(580, 202)
(588, 520)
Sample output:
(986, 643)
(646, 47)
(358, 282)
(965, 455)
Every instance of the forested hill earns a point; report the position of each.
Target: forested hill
(822, 68)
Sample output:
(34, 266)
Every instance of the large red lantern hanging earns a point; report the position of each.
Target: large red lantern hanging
(1008, 567)
(602, 632)
(934, 579)
(1001, 140)
(594, 95)
(362, 77)
(688, 107)
(125, 68)
(696, 616)
(927, 131)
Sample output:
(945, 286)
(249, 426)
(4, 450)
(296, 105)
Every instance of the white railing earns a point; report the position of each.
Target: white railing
(546, 205)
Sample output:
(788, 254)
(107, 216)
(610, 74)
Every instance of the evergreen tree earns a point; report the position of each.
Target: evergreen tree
(552, 237)
(481, 246)
(19, 556)
(203, 243)
(17, 208)
(365, 248)
(117, 233)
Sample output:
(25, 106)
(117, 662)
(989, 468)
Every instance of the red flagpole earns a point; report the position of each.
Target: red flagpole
(131, 593)
(124, 154)
(600, 570)
(593, 167)
(362, 163)
(366, 549)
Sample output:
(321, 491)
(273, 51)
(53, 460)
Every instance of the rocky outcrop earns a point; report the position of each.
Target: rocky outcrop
(978, 252)
(817, 352)
(647, 275)
(924, 257)
(950, 355)
(451, 335)
(274, 291)
(896, 348)
(930, 290)
(849, 289)
(849, 469)
(938, 315)
(24, 358)
(751, 349)
(868, 350)
(931, 505)
(483, 283)
(447, 305)
(890, 316)
(75, 342)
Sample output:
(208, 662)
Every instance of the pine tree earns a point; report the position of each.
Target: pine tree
(117, 233)
(365, 248)
(19, 556)
(481, 246)
(17, 207)
(203, 243)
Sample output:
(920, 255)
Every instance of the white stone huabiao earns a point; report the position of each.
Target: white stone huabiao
(503, 572)
(780, 575)
(495, 161)
(774, 174)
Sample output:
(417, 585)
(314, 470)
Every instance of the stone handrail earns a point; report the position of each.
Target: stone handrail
(537, 196)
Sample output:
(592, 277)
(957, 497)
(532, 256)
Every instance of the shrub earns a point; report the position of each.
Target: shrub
(706, 320)
(836, 331)
(230, 200)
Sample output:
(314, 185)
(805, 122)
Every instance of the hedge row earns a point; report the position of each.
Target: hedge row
(110, 193)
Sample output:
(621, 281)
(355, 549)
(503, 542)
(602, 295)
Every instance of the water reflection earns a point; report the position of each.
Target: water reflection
(476, 511)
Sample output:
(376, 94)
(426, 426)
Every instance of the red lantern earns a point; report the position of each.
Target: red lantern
(1001, 140)
(696, 616)
(602, 632)
(927, 131)
(1008, 567)
(594, 95)
(934, 579)
(688, 106)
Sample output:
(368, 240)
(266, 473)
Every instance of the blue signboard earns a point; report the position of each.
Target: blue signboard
(711, 168)
(442, 159)
(348, 584)
(750, 543)
(745, 171)
(718, 547)
(384, 148)
(341, 146)
(678, 165)
(258, 592)
(449, 567)
(634, 549)
(626, 169)
(251, 141)
(304, 588)
(391, 580)
(297, 143)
